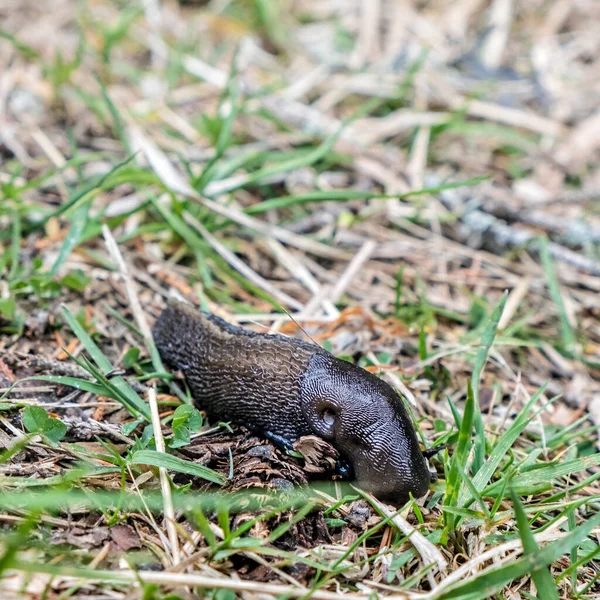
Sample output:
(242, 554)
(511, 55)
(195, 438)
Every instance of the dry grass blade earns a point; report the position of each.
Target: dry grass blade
(165, 483)
(352, 269)
(428, 551)
(225, 583)
(132, 297)
(159, 162)
(240, 266)
(500, 554)
(279, 233)
(140, 318)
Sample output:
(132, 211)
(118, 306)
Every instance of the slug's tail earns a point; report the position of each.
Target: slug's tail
(175, 333)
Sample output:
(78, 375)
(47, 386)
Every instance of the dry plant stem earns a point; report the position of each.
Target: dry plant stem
(261, 561)
(140, 318)
(297, 269)
(312, 306)
(165, 484)
(368, 36)
(352, 270)
(240, 265)
(100, 556)
(508, 116)
(299, 88)
(268, 317)
(418, 161)
(134, 303)
(493, 48)
(395, 381)
(149, 516)
(429, 553)
(225, 583)
(54, 154)
(167, 173)
(279, 233)
(514, 301)
(159, 162)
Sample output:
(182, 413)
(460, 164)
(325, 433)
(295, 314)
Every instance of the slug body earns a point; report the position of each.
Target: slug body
(284, 389)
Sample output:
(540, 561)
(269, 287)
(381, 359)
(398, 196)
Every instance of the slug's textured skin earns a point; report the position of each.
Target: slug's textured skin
(285, 389)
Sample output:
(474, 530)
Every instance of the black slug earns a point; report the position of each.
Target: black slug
(284, 389)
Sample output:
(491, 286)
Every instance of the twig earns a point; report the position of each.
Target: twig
(569, 231)
(481, 227)
(88, 429)
(504, 236)
(575, 196)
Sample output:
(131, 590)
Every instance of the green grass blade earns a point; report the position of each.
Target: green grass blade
(487, 339)
(490, 581)
(558, 469)
(224, 137)
(116, 117)
(569, 340)
(78, 223)
(84, 194)
(292, 164)
(459, 459)
(347, 195)
(174, 463)
(468, 483)
(89, 344)
(472, 415)
(501, 448)
(25, 49)
(104, 364)
(542, 578)
(80, 384)
(15, 244)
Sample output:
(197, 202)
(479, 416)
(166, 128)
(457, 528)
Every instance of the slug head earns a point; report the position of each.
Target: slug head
(362, 416)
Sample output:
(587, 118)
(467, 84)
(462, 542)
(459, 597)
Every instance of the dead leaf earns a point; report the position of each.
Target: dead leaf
(81, 537)
(319, 456)
(125, 537)
(5, 372)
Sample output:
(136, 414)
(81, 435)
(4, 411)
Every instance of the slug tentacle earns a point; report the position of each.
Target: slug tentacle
(285, 389)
